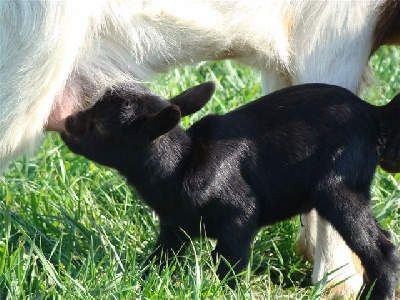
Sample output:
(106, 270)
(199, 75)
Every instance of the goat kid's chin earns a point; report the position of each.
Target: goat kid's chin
(73, 143)
(83, 147)
(98, 152)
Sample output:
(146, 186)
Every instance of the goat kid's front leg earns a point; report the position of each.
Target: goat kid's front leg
(171, 241)
(232, 249)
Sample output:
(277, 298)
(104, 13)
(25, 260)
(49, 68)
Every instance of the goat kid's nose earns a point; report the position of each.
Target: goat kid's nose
(74, 125)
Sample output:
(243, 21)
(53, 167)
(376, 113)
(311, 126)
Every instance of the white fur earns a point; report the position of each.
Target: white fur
(70, 50)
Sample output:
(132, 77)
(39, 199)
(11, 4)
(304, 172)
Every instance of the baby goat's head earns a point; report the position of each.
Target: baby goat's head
(127, 118)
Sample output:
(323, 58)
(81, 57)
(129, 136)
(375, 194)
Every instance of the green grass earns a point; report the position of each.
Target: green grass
(70, 229)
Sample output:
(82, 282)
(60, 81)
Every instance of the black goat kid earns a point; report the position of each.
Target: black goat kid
(303, 147)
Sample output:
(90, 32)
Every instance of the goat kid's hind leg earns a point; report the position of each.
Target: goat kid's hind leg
(329, 257)
(349, 212)
(319, 242)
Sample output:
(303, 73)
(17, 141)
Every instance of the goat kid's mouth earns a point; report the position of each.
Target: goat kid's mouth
(73, 133)
(75, 125)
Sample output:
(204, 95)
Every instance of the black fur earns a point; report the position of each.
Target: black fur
(303, 147)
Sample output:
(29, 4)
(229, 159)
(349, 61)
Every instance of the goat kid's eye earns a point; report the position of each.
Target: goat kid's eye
(100, 127)
(96, 127)
(127, 105)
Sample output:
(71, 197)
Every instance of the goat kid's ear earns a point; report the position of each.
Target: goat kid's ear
(162, 122)
(194, 98)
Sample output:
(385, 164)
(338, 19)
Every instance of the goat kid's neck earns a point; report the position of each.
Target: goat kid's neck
(160, 166)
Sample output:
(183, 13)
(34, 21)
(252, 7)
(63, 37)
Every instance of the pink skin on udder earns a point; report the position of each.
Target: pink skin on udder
(62, 108)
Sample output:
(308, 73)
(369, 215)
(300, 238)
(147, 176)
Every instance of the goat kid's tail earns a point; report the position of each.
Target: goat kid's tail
(390, 155)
